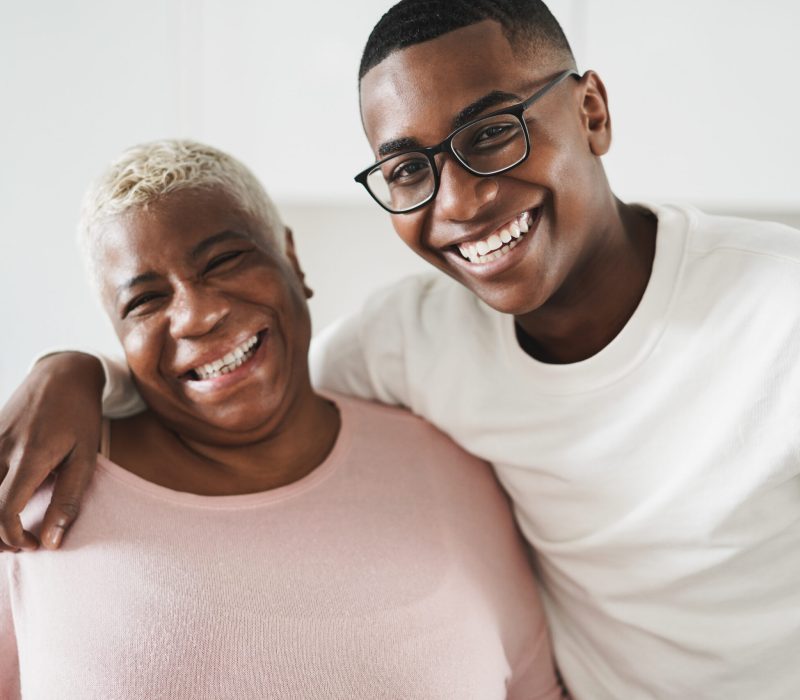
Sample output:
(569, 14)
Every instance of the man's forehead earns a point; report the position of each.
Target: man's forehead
(429, 86)
(454, 56)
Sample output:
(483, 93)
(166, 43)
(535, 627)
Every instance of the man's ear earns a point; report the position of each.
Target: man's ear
(594, 113)
(291, 253)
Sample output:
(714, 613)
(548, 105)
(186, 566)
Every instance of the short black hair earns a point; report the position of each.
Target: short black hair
(525, 23)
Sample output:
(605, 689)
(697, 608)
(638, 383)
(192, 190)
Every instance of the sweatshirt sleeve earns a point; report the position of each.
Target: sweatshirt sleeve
(120, 398)
(364, 354)
(9, 658)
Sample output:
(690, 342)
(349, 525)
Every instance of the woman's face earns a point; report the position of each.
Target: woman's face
(210, 312)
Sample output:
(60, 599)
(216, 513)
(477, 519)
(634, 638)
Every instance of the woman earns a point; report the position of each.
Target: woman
(245, 536)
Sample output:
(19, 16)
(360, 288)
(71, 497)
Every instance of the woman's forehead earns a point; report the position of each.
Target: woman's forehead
(164, 235)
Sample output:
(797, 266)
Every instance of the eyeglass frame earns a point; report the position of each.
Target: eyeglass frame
(446, 145)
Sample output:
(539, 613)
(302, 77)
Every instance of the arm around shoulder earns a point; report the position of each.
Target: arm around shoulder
(50, 424)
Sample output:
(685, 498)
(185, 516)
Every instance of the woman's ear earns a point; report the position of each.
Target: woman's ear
(291, 253)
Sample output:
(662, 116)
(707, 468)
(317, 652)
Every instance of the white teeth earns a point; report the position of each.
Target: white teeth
(494, 242)
(497, 244)
(235, 358)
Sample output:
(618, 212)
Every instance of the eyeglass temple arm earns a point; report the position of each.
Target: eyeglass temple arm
(556, 81)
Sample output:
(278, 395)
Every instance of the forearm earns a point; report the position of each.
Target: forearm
(110, 374)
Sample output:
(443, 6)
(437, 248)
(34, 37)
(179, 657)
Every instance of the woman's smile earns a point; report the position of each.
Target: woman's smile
(213, 379)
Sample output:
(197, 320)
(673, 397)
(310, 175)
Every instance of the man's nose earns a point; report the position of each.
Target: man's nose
(196, 310)
(461, 194)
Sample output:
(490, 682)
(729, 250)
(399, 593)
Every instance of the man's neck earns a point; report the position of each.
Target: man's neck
(593, 306)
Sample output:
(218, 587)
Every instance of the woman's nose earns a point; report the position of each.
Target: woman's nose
(196, 310)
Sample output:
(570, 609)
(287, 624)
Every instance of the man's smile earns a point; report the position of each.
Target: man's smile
(495, 252)
(497, 243)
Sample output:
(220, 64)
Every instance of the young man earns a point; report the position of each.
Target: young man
(629, 370)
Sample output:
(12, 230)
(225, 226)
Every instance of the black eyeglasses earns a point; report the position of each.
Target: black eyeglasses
(489, 145)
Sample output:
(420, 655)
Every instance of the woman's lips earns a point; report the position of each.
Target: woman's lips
(228, 362)
(231, 373)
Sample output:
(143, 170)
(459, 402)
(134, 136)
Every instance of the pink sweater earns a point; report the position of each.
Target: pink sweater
(391, 571)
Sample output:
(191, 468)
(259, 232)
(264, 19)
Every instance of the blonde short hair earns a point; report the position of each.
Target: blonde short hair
(150, 171)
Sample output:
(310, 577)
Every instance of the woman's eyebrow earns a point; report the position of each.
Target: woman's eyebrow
(211, 241)
(135, 281)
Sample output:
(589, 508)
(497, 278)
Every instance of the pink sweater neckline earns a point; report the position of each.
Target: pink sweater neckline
(329, 466)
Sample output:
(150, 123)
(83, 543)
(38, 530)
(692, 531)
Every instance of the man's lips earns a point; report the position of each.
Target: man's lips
(490, 254)
(483, 249)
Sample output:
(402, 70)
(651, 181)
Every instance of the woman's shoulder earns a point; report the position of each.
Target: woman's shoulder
(394, 439)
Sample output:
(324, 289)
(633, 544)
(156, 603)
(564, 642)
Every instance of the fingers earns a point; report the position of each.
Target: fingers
(72, 479)
(52, 414)
(14, 537)
(14, 494)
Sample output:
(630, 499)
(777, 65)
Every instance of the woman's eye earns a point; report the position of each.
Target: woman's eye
(222, 259)
(140, 301)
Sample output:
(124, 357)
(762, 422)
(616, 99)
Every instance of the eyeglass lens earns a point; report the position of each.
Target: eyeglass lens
(486, 146)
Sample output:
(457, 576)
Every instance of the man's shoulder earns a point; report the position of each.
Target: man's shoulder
(425, 307)
(422, 292)
(752, 237)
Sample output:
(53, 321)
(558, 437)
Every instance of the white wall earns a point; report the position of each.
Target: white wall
(702, 94)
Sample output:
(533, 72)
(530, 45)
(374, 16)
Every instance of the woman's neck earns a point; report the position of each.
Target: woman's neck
(146, 447)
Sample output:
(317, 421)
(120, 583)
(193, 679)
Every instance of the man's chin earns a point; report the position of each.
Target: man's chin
(513, 300)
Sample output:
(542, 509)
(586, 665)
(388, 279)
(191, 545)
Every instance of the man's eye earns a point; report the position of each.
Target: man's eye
(140, 301)
(222, 259)
(494, 133)
(409, 171)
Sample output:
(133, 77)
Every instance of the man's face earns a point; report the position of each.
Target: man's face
(211, 314)
(559, 192)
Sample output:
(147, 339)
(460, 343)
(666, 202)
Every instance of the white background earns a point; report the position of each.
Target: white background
(704, 98)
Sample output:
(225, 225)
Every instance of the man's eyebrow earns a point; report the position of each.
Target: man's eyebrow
(492, 99)
(211, 241)
(406, 143)
(397, 145)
